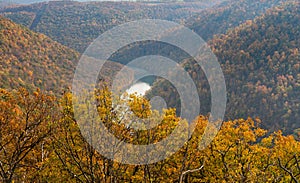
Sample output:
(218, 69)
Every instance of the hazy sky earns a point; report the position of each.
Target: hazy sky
(34, 1)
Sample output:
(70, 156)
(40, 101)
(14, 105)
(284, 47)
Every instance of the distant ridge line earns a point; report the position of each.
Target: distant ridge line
(38, 16)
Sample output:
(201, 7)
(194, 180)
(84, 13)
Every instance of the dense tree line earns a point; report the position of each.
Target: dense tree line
(41, 142)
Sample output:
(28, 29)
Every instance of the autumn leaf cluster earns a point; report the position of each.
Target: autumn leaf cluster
(40, 141)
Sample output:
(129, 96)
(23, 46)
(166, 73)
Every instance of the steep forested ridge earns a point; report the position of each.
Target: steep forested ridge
(32, 60)
(262, 66)
(260, 61)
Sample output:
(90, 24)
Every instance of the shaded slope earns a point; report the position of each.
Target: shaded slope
(261, 63)
(76, 24)
(228, 15)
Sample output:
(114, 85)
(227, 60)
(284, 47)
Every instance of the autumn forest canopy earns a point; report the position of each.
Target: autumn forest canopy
(256, 43)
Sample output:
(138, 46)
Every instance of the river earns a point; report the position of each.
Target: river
(140, 88)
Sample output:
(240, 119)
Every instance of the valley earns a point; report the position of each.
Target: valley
(49, 132)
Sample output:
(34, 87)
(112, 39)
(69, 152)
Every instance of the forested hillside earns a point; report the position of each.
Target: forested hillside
(260, 61)
(76, 24)
(262, 67)
(228, 15)
(259, 57)
(33, 60)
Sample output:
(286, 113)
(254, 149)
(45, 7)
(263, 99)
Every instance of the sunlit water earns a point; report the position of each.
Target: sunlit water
(139, 88)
